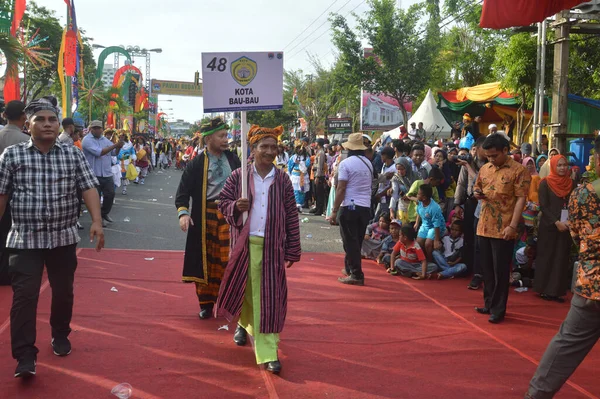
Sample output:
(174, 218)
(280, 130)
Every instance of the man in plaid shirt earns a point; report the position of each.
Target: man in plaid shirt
(40, 178)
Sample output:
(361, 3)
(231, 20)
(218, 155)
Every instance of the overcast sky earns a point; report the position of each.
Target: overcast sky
(184, 29)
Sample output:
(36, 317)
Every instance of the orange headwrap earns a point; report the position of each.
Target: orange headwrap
(258, 133)
(560, 185)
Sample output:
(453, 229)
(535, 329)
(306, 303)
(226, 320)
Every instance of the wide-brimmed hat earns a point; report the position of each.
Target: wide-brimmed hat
(355, 142)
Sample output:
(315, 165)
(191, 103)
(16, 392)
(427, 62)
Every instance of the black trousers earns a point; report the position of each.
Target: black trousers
(26, 269)
(353, 225)
(477, 250)
(106, 189)
(469, 233)
(5, 225)
(320, 195)
(496, 255)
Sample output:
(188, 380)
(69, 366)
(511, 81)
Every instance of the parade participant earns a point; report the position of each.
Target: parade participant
(125, 157)
(207, 245)
(298, 170)
(143, 161)
(580, 331)
(98, 151)
(44, 215)
(254, 287)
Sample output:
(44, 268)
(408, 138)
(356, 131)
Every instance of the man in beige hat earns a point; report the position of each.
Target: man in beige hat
(352, 207)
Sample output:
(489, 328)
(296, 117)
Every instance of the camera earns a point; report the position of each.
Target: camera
(466, 157)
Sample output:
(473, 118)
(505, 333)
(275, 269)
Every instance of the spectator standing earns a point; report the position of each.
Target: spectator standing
(98, 151)
(320, 172)
(353, 202)
(44, 232)
(581, 329)
(11, 134)
(68, 129)
(502, 185)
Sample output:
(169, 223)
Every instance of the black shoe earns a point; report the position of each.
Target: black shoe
(206, 313)
(495, 319)
(344, 272)
(61, 346)
(240, 337)
(108, 219)
(482, 310)
(351, 280)
(475, 283)
(25, 368)
(274, 367)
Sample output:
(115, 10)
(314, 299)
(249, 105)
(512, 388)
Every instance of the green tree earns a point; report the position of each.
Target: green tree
(515, 67)
(584, 58)
(403, 64)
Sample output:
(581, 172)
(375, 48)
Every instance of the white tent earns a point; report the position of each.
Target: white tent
(433, 121)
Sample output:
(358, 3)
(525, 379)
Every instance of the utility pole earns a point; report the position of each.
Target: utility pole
(560, 91)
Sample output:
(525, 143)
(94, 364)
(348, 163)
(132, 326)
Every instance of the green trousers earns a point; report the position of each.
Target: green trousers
(265, 345)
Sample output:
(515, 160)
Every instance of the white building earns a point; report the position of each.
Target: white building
(377, 113)
(179, 127)
(108, 73)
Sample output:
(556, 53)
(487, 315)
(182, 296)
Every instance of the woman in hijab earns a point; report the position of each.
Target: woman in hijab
(545, 169)
(532, 207)
(540, 161)
(552, 264)
(401, 183)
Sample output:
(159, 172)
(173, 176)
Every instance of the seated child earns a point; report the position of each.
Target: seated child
(388, 243)
(524, 272)
(430, 224)
(408, 257)
(374, 236)
(449, 259)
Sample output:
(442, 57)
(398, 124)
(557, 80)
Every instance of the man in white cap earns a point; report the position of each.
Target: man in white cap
(41, 177)
(493, 128)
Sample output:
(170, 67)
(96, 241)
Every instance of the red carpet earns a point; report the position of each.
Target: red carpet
(394, 338)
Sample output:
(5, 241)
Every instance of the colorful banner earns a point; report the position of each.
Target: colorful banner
(152, 107)
(12, 84)
(501, 14)
(174, 88)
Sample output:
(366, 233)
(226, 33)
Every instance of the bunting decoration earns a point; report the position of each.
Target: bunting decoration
(296, 101)
(12, 85)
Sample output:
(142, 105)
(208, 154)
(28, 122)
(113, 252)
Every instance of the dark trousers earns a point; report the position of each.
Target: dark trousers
(575, 339)
(496, 255)
(26, 269)
(469, 235)
(5, 225)
(477, 251)
(320, 195)
(353, 225)
(106, 189)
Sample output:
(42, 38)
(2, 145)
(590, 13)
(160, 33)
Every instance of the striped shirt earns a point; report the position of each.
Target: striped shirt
(44, 201)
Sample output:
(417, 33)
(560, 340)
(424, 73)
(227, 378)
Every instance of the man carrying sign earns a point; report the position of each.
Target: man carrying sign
(254, 286)
(207, 246)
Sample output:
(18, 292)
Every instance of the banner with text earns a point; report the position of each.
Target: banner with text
(242, 81)
(339, 125)
(173, 88)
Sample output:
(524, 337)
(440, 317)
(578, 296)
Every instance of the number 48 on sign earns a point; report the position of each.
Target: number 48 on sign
(247, 81)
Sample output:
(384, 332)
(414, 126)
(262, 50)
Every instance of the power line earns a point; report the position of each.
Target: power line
(319, 27)
(321, 35)
(311, 24)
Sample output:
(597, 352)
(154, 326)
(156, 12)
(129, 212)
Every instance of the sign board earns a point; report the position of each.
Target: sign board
(173, 88)
(339, 125)
(242, 81)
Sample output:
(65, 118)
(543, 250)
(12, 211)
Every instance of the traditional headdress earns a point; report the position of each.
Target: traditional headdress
(213, 126)
(258, 133)
(47, 103)
(467, 117)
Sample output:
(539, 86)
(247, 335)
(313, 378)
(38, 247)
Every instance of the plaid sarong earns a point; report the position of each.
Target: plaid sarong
(217, 254)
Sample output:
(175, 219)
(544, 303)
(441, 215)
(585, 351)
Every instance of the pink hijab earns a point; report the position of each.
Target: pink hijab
(526, 161)
(428, 153)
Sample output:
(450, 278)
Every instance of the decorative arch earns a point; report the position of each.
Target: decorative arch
(105, 53)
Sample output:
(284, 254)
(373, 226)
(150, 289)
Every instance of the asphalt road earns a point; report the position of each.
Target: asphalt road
(146, 218)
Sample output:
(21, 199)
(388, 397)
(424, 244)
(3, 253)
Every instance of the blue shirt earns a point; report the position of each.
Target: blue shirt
(431, 216)
(92, 149)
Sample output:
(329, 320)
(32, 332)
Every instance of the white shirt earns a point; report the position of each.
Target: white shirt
(260, 202)
(412, 133)
(359, 178)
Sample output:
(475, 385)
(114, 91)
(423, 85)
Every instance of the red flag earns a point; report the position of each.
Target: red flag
(17, 16)
(70, 54)
(500, 14)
